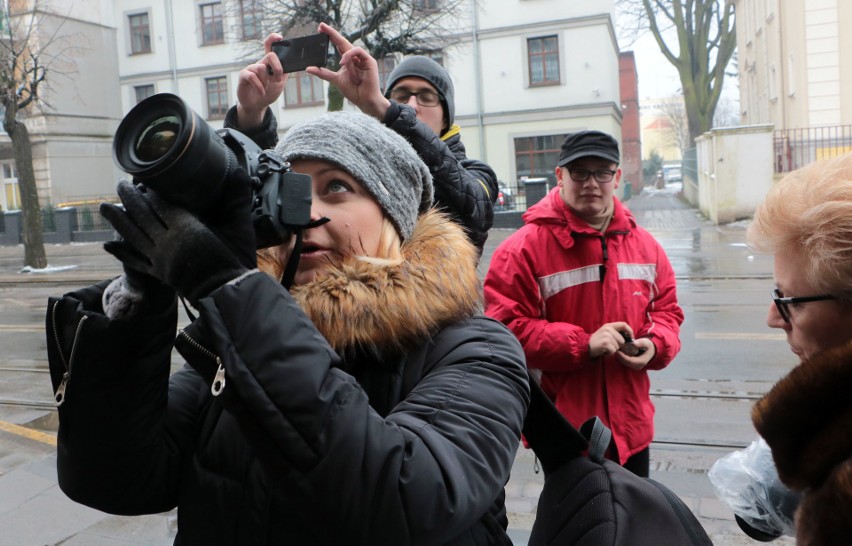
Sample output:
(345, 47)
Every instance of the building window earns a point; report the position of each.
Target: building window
(427, 6)
(536, 157)
(543, 60)
(386, 66)
(11, 192)
(437, 56)
(303, 90)
(140, 33)
(250, 19)
(212, 25)
(143, 92)
(217, 97)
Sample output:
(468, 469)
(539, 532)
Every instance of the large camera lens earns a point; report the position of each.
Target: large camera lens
(157, 139)
(162, 143)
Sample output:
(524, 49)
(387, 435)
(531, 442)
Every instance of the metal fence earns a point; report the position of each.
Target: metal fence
(795, 148)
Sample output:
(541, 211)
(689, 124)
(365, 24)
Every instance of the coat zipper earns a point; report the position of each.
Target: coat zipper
(605, 257)
(59, 395)
(218, 384)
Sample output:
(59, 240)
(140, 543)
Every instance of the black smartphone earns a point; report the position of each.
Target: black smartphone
(629, 348)
(297, 54)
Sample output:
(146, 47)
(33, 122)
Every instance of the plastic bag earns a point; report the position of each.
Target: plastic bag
(747, 481)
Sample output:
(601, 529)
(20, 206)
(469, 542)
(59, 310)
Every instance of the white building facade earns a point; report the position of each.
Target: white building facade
(794, 60)
(526, 72)
(71, 128)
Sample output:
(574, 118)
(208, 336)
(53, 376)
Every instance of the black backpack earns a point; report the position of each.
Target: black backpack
(589, 500)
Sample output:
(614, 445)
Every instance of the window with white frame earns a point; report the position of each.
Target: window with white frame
(386, 66)
(427, 6)
(250, 19)
(212, 23)
(536, 156)
(142, 92)
(140, 33)
(543, 58)
(217, 97)
(11, 192)
(303, 90)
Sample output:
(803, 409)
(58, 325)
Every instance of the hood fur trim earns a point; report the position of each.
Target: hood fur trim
(807, 421)
(361, 306)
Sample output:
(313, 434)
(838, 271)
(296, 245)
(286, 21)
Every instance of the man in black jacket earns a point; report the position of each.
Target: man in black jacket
(419, 104)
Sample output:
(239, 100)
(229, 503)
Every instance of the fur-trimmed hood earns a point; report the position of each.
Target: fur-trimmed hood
(361, 306)
(807, 421)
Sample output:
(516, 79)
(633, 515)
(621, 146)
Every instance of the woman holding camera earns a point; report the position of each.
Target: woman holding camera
(366, 405)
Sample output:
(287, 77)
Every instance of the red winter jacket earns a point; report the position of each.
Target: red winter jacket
(556, 281)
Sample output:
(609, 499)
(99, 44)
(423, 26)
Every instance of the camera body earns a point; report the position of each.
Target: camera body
(163, 144)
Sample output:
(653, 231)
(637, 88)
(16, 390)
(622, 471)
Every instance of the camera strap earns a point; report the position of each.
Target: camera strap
(293, 262)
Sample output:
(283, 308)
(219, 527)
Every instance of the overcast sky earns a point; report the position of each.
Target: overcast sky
(658, 78)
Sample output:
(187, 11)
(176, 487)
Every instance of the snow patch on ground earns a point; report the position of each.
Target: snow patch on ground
(47, 269)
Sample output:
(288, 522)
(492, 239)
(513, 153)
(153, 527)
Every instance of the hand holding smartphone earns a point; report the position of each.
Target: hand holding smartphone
(629, 348)
(297, 54)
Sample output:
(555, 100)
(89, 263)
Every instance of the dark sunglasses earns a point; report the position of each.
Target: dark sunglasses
(782, 303)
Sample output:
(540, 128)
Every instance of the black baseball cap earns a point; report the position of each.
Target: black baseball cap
(588, 143)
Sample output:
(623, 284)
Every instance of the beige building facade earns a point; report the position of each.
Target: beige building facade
(795, 63)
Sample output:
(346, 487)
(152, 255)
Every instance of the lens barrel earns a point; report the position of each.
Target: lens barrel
(163, 144)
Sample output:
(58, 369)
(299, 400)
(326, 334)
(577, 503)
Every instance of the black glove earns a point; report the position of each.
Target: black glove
(168, 243)
(230, 218)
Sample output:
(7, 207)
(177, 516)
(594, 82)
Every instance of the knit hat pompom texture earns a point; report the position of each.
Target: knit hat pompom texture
(425, 68)
(381, 160)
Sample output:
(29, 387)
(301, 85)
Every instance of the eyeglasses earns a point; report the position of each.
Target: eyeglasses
(581, 175)
(782, 303)
(424, 97)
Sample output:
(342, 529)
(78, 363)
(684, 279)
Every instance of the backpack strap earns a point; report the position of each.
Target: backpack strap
(553, 439)
(599, 437)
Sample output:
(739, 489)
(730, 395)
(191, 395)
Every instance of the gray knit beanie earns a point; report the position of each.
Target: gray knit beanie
(425, 68)
(381, 160)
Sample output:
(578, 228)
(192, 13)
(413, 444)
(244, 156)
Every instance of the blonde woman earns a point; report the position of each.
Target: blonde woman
(369, 405)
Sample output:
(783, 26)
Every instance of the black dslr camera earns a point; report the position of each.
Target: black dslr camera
(167, 147)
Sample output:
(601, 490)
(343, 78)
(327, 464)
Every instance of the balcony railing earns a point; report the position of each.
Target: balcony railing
(795, 148)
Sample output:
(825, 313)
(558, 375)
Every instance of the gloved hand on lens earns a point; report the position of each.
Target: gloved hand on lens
(170, 244)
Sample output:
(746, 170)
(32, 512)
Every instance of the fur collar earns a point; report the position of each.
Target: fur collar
(385, 309)
(807, 421)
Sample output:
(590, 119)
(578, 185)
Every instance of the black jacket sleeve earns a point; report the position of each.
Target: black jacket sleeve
(122, 432)
(265, 135)
(423, 474)
(466, 188)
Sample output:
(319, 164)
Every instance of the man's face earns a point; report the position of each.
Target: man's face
(589, 199)
(433, 116)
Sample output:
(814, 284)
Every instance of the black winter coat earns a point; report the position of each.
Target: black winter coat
(368, 407)
(464, 188)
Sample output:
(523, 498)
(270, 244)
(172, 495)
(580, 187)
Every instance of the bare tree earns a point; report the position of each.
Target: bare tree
(383, 27)
(30, 46)
(698, 37)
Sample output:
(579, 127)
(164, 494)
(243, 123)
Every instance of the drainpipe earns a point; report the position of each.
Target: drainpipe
(170, 26)
(483, 153)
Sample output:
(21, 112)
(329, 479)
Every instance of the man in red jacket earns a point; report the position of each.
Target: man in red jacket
(576, 284)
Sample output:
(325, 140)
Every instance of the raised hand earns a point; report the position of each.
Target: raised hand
(168, 243)
(358, 76)
(259, 85)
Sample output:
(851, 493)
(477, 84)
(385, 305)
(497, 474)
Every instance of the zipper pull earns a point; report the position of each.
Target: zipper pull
(59, 396)
(218, 380)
